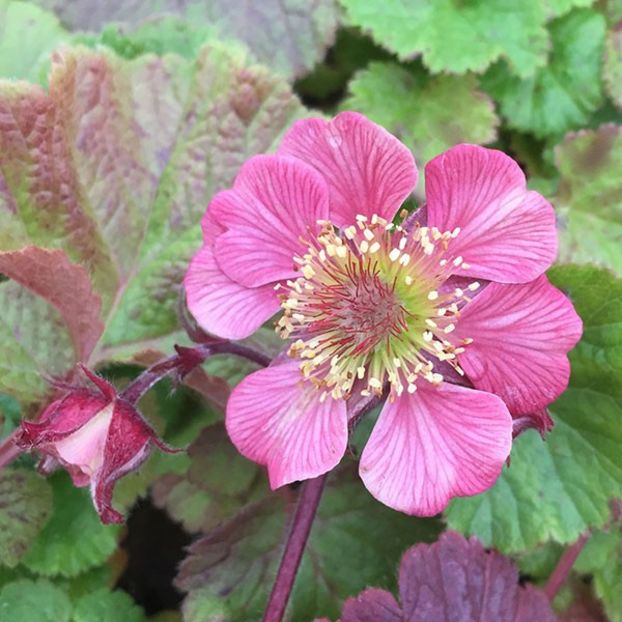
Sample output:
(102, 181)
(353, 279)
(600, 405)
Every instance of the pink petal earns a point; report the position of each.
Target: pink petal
(507, 232)
(276, 419)
(84, 448)
(222, 306)
(436, 444)
(368, 170)
(521, 336)
(274, 203)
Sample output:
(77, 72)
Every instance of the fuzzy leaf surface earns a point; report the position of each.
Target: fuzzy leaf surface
(562, 94)
(73, 540)
(589, 199)
(25, 506)
(233, 566)
(457, 37)
(452, 579)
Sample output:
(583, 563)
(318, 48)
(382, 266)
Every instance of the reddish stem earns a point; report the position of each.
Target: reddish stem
(184, 361)
(564, 566)
(306, 509)
(9, 450)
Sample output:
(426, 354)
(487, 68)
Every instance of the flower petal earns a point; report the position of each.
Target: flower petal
(521, 334)
(507, 232)
(276, 419)
(275, 201)
(368, 170)
(222, 306)
(436, 444)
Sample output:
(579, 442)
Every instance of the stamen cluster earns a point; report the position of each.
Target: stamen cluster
(372, 306)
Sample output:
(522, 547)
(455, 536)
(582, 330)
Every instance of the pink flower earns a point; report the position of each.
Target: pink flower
(96, 435)
(453, 321)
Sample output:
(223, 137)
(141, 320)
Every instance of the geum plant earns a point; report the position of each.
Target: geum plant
(443, 317)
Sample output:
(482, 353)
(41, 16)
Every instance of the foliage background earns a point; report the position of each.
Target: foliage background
(118, 122)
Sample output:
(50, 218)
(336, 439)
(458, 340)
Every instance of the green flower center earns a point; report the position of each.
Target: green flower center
(369, 309)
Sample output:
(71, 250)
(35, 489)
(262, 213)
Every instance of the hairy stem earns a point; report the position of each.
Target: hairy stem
(564, 566)
(184, 362)
(8, 449)
(308, 502)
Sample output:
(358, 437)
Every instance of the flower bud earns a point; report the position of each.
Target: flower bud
(96, 436)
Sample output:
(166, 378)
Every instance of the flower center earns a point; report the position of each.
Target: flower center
(369, 307)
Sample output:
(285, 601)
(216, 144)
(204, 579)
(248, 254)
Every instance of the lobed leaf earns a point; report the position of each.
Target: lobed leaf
(35, 601)
(428, 114)
(589, 199)
(457, 37)
(290, 36)
(449, 580)
(562, 94)
(115, 165)
(104, 606)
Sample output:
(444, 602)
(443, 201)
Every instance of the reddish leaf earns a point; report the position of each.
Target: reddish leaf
(66, 286)
(452, 580)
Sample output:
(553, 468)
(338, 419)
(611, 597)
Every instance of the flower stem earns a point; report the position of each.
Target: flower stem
(8, 449)
(184, 362)
(564, 566)
(294, 548)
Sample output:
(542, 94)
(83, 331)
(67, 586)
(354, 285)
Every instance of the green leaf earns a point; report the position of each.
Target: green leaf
(25, 506)
(557, 8)
(457, 37)
(355, 542)
(131, 152)
(33, 601)
(216, 485)
(562, 94)
(27, 36)
(104, 606)
(73, 540)
(601, 559)
(589, 200)
(612, 68)
(66, 287)
(558, 488)
(291, 37)
(428, 114)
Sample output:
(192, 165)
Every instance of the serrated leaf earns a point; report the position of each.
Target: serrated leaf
(231, 569)
(558, 488)
(25, 506)
(557, 8)
(449, 580)
(561, 95)
(128, 154)
(27, 36)
(290, 36)
(104, 606)
(66, 307)
(34, 601)
(601, 558)
(73, 540)
(457, 37)
(428, 114)
(589, 199)
(612, 68)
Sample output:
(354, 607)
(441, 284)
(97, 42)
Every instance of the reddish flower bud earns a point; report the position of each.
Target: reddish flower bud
(96, 435)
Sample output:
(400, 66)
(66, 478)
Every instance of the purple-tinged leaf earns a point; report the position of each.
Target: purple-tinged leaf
(452, 580)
